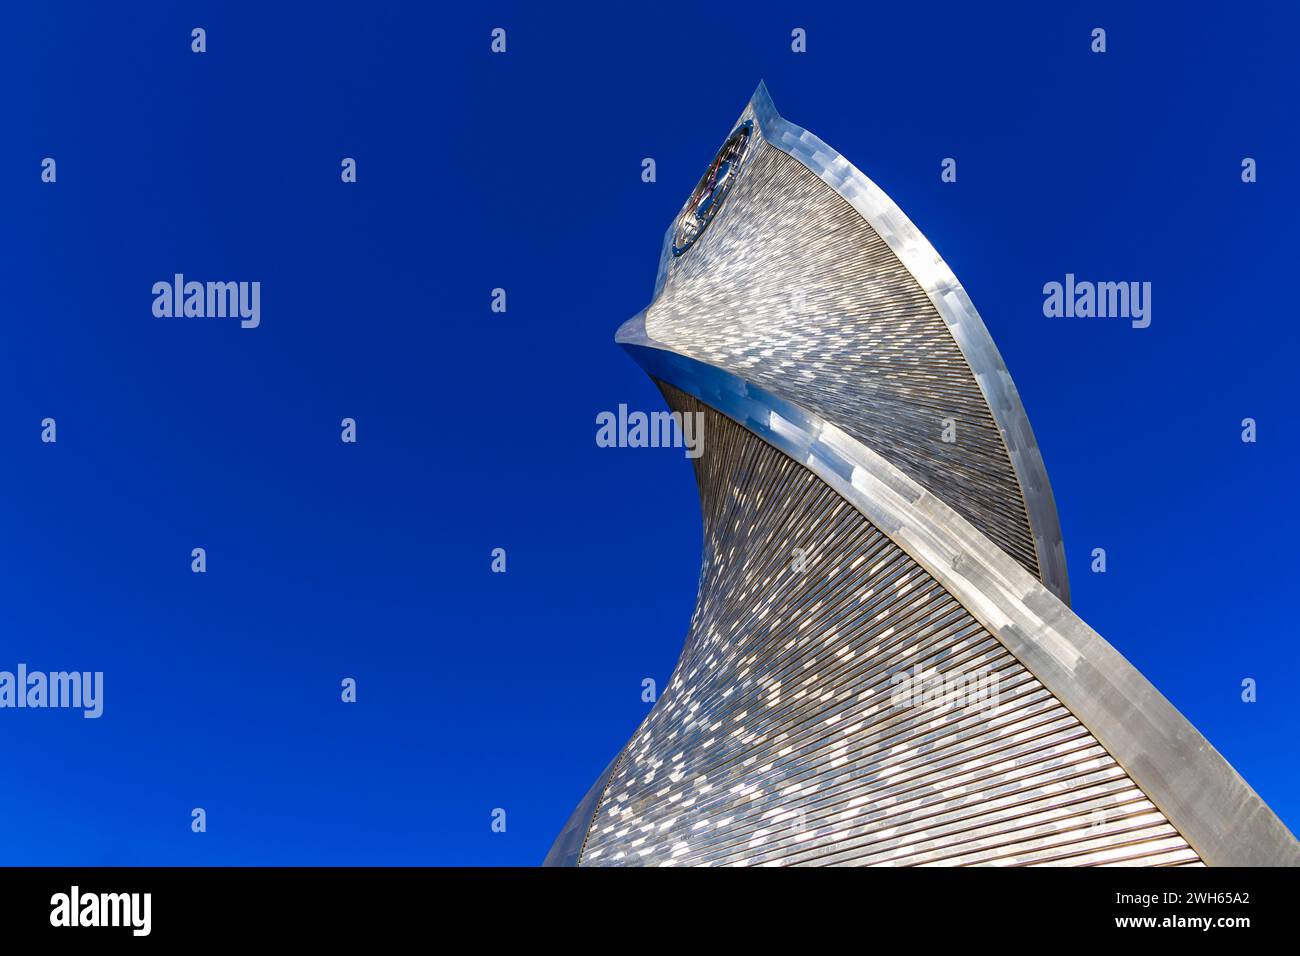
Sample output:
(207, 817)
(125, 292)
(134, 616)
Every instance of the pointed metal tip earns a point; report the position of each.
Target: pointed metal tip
(760, 106)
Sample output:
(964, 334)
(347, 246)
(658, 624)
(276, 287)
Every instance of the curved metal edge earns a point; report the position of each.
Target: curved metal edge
(568, 846)
(959, 314)
(1198, 791)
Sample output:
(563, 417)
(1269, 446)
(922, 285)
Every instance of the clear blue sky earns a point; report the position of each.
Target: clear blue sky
(476, 430)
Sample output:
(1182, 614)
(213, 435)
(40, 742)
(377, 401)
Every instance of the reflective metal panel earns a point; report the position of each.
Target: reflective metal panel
(781, 737)
(849, 560)
(815, 284)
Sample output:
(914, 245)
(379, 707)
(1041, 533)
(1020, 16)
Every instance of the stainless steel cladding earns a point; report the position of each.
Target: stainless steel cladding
(882, 667)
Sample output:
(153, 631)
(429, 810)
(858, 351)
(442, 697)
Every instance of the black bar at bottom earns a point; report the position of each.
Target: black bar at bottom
(333, 905)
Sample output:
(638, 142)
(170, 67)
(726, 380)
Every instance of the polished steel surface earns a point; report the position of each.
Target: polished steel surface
(777, 740)
(567, 848)
(1178, 770)
(820, 288)
(792, 290)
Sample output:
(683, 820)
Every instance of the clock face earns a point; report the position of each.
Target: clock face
(712, 190)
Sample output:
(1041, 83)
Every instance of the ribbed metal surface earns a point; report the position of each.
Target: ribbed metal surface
(777, 742)
(790, 288)
(847, 546)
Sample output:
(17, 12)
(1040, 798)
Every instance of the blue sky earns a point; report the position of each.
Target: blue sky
(476, 430)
